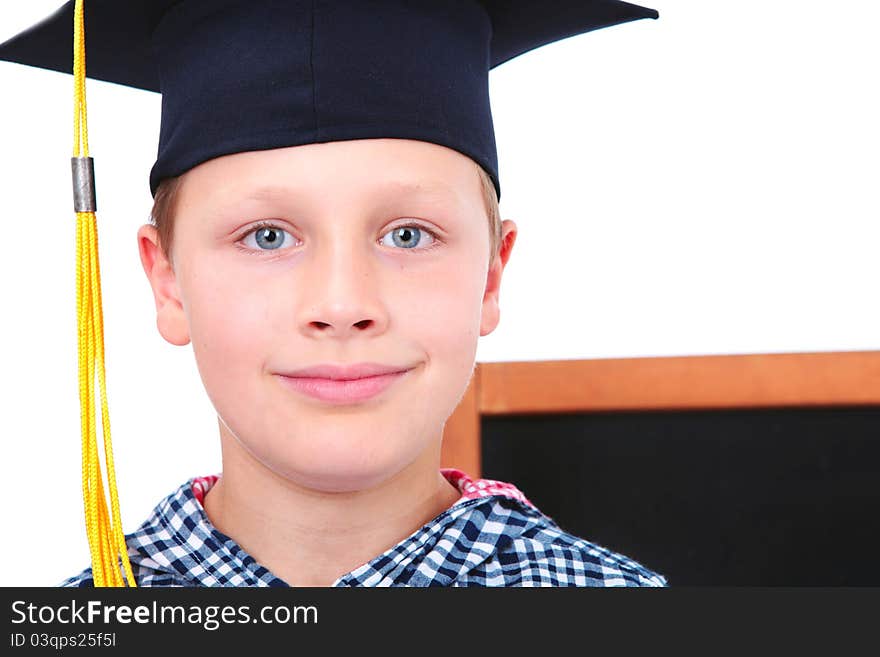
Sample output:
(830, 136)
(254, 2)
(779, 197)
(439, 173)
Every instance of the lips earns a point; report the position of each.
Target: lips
(344, 383)
(342, 391)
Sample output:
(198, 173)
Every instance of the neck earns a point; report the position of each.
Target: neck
(309, 537)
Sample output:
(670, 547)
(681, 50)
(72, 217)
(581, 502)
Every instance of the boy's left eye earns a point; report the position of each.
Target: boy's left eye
(408, 236)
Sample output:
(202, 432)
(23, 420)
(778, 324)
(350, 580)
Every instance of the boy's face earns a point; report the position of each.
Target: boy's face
(333, 282)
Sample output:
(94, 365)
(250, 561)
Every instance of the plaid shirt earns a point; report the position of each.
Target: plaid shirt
(492, 536)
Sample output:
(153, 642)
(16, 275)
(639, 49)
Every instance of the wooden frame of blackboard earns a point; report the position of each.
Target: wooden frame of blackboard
(817, 379)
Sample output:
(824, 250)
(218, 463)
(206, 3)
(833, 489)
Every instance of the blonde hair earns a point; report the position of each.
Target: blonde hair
(490, 200)
(164, 203)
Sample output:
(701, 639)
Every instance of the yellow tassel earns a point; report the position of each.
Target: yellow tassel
(105, 535)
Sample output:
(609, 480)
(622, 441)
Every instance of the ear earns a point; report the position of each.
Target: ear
(170, 318)
(491, 311)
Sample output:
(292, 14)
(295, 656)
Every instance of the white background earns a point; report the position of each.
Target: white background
(706, 183)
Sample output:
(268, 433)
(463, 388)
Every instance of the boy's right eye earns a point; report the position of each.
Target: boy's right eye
(266, 237)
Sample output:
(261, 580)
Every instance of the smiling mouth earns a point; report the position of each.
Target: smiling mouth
(342, 391)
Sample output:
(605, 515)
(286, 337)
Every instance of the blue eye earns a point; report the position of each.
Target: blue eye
(266, 238)
(408, 237)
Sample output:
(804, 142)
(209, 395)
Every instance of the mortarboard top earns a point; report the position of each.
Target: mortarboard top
(244, 75)
(305, 71)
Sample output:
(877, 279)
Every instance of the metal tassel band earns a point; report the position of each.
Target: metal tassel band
(84, 198)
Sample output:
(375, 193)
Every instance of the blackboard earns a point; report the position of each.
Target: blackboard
(778, 497)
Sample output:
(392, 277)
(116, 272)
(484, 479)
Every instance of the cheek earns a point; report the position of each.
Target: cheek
(228, 316)
(443, 313)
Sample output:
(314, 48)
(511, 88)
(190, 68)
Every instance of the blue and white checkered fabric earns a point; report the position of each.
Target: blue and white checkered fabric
(489, 541)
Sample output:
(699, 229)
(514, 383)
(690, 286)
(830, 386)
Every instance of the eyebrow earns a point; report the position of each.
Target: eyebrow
(426, 188)
(269, 192)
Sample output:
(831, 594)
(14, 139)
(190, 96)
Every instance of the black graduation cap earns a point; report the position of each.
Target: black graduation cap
(240, 75)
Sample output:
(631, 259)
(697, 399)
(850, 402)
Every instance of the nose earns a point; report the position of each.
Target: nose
(344, 297)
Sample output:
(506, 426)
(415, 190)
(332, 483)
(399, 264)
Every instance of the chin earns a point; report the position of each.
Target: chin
(340, 456)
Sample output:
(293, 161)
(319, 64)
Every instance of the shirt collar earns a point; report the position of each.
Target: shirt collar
(179, 537)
